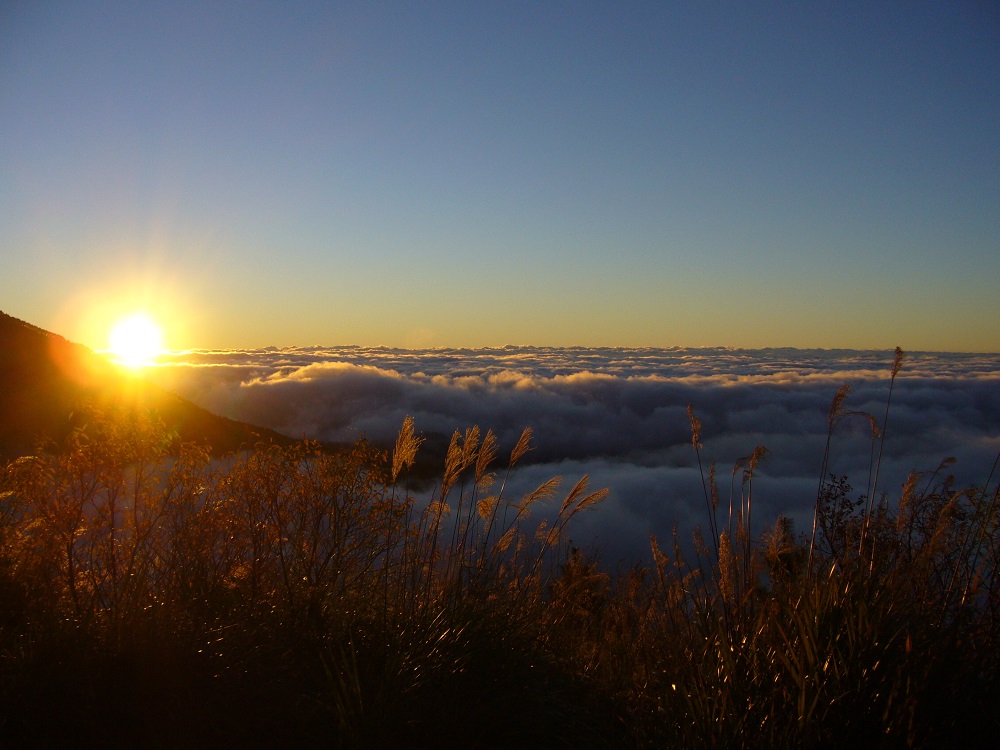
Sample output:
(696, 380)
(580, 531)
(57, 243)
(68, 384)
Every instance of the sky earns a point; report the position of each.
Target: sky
(482, 174)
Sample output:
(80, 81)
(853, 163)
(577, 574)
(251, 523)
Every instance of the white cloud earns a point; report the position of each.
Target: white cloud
(620, 415)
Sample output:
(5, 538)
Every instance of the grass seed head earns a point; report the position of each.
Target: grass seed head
(522, 447)
(407, 444)
(897, 362)
(837, 405)
(695, 428)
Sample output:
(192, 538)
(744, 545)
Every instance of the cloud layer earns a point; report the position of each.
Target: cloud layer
(620, 415)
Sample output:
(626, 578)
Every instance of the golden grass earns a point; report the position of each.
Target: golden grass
(291, 597)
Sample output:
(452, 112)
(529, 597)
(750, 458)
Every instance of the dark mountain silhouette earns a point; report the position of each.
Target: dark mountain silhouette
(48, 384)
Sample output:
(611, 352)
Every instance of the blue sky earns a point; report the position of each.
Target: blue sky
(453, 174)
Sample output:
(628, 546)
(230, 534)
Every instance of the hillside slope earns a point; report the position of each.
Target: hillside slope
(47, 382)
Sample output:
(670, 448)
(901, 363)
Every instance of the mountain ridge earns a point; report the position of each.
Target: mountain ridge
(48, 382)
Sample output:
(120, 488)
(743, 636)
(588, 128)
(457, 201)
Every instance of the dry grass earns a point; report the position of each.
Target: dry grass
(291, 597)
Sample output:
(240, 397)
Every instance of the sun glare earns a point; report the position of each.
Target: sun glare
(136, 340)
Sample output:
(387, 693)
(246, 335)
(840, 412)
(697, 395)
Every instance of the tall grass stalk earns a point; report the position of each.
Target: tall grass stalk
(711, 504)
(897, 363)
(834, 416)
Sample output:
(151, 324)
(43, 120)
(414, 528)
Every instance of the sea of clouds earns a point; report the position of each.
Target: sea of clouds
(620, 416)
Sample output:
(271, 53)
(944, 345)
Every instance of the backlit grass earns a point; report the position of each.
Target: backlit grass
(153, 597)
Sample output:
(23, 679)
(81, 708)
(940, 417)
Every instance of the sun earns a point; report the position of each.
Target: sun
(136, 340)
